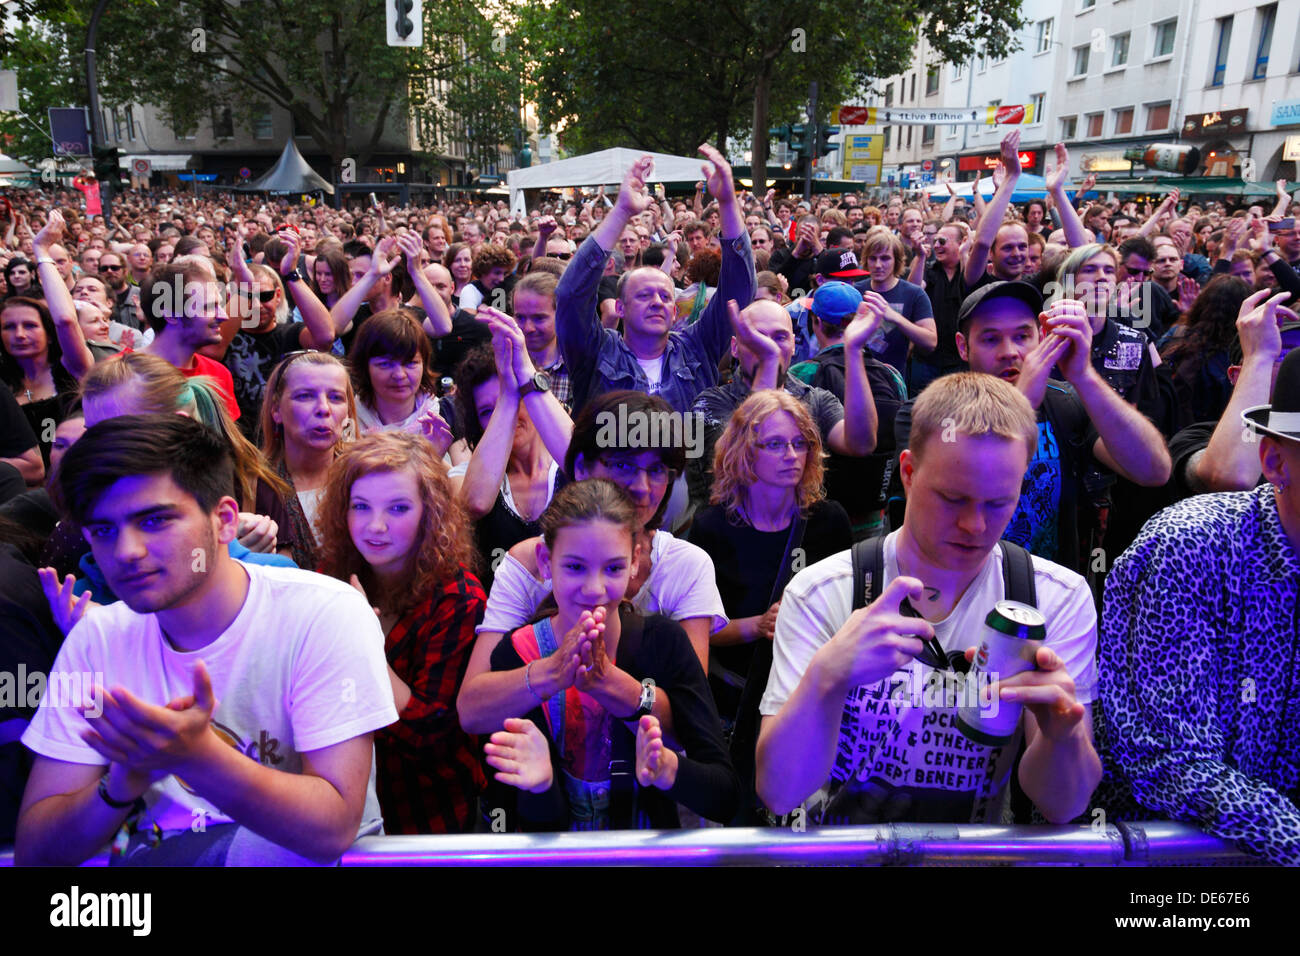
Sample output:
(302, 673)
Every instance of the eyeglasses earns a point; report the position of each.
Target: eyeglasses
(777, 446)
(626, 471)
(106, 268)
(560, 255)
(1137, 272)
(939, 240)
(266, 295)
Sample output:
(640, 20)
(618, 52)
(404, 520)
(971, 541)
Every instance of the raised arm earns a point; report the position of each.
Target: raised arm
(855, 434)
(546, 226)
(1283, 200)
(318, 329)
(986, 231)
(77, 357)
(382, 262)
(1075, 234)
(736, 278)
(437, 321)
(1165, 208)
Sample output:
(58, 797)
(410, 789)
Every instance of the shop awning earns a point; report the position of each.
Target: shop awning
(160, 162)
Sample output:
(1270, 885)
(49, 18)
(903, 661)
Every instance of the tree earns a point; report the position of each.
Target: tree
(47, 76)
(326, 62)
(666, 77)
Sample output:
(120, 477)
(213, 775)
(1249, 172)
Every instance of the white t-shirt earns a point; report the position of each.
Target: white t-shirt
(900, 755)
(654, 372)
(470, 297)
(681, 585)
(301, 667)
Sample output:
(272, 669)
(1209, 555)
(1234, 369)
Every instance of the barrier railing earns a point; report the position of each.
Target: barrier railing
(1154, 843)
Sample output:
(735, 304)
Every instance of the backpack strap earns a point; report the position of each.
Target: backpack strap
(622, 763)
(554, 706)
(1018, 574)
(868, 570)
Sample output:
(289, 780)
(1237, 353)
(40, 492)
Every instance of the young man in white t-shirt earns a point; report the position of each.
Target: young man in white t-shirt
(202, 664)
(850, 729)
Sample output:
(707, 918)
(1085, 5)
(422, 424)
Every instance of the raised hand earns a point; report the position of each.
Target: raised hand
(411, 246)
(546, 225)
(1037, 367)
(656, 764)
(1010, 152)
(66, 608)
(1055, 178)
(717, 173)
(292, 245)
(868, 318)
(50, 233)
(1089, 181)
(1068, 318)
(1188, 290)
(633, 196)
(435, 428)
(1257, 327)
(521, 756)
(560, 670)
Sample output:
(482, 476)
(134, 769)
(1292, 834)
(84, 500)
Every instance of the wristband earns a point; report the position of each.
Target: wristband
(529, 683)
(42, 260)
(136, 806)
(293, 275)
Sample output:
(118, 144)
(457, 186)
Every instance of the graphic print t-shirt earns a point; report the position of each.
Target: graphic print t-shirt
(900, 756)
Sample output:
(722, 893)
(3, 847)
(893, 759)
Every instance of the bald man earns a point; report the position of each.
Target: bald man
(763, 345)
(466, 331)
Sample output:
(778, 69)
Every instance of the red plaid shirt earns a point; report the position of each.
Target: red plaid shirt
(428, 771)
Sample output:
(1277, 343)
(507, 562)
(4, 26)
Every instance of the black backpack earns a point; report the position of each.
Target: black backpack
(869, 572)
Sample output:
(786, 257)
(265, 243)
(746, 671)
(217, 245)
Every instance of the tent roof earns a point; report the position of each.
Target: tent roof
(605, 167)
(290, 174)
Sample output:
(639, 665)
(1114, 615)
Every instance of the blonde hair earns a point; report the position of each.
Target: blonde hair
(974, 404)
(160, 388)
(260, 271)
(277, 381)
(878, 239)
(443, 548)
(733, 456)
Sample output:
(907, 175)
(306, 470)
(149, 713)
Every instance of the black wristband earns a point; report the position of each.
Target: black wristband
(136, 805)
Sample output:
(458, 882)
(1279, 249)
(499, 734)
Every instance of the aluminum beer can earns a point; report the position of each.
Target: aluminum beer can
(1013, 632)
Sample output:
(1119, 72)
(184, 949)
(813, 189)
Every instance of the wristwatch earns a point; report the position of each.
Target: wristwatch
(540, 382)
(293, 275)
(44, 259)
(646, 705)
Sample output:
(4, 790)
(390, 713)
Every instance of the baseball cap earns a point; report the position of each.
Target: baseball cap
(835, 302)
(839, 264)
(1021, 291)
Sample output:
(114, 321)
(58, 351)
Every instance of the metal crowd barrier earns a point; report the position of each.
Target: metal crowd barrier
(1154, 843)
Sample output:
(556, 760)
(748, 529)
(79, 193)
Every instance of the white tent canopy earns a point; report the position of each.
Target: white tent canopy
(607, 167)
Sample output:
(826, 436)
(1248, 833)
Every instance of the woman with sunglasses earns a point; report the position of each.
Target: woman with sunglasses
(307, 416)
(671, 576)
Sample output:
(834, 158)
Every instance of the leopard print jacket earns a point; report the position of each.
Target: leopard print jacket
(1199, 670)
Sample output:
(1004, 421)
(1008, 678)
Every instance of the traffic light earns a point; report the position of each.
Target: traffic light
(799, 140)
(780, 133)
(405, 23)
(824, 145)
(108, 164)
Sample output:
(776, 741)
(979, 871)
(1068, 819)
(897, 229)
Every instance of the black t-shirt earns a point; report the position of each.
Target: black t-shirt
(607, 289)
(250, 359)
(16, 435)
(746, 562)
(466, 333)
(945, 301)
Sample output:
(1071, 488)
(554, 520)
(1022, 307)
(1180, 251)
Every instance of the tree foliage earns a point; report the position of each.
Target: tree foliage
(667, 76)
(47, 76)
(324, 61)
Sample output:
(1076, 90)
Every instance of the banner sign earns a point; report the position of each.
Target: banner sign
(968, 116)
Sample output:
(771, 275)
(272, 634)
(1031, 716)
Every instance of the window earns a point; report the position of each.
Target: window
(1036, 107)
(1081, 60)
(984, 61)
(932, 81)
(953, 130)
(909, 137)
(1045, 35)
(119, 125)
(1087, 4)
(1164, 38)
(223, 123)
(912, 98)
(888, 130)
(1094, 125)
(1124, 121)
(130, 123)
(957, 70)
(262, 123)
(1266, 17)
(927, 135)
(1158, 116)
(1069, 127)
(1119, 50)
(889, 95)
(1221, 50)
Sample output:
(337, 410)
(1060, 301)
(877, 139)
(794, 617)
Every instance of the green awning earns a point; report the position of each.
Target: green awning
(1192, 185)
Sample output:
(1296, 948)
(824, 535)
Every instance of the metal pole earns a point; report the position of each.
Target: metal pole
(97, 134)
(809, 159)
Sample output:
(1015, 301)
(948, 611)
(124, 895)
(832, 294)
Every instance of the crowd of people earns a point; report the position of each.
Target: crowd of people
(637, 512)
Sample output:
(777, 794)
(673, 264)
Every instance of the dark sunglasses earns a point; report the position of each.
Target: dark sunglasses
(561, 255)
(104, 268)
(266, 295)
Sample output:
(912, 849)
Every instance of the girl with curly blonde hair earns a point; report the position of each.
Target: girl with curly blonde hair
(390, 525)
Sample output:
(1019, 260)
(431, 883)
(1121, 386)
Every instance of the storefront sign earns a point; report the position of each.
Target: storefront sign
(1218, 123)
(987, 161)
(1285, 113)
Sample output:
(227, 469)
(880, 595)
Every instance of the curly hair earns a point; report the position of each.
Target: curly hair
(444, 546)
(733, 456)
(705, 267)
(489, 257)
(1211, 324)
